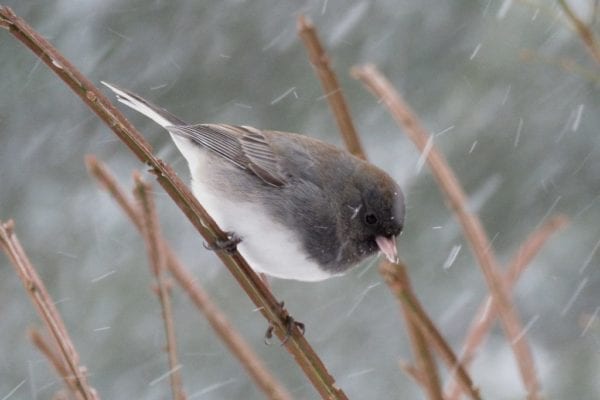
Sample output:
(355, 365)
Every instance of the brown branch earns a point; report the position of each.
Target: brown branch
(471, 225)
(331, 87)
(107, 181)
(487, 313)
(426, 369)
(57, 362)
(55, 359)
(76, 377)
(583, 30)
(251, 283)
(397, 278)
(412, 372)
(215, 317)
(532, 246)
(156, 254)
(425, 364)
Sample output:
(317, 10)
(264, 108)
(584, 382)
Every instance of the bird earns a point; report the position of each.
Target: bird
(295, 207)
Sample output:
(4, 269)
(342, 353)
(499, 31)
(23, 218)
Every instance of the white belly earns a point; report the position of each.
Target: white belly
(268, 246)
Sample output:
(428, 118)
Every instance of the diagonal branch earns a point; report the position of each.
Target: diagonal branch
(583, 30)
(215, 317)
(397, 278)
(331, 87)
(250, 282)
(487, 313)
(156, 254)
(426, 368)
(471, 225)
(75, 377)
(49, 352)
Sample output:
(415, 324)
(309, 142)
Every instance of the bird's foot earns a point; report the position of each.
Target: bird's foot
(228, 245)
(289, 323)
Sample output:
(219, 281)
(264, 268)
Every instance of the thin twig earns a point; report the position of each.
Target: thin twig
(56, 360)
(583, 30)
(397, 278)
(47, 350)
(532, 246)
(251, 283)
(107, 181)
(216, 318)
(487, 312)
(412, 372)
(154, 247)
(426, 368)
(76, 377)
(331, 87)
(472, 227)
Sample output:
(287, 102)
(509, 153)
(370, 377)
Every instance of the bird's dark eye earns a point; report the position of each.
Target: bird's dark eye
(370, 219)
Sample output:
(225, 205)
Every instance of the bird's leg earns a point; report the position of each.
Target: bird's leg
(289, 323)
(228, 245)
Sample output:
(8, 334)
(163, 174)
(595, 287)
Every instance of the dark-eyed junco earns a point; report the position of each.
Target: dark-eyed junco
(302, 208)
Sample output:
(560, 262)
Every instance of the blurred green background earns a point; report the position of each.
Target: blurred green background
(522, 134)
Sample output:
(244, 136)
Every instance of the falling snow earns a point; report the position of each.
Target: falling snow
(284, 95)
(452, 256)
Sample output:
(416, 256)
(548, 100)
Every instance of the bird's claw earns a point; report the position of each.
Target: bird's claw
(228, 245)
(289, 323)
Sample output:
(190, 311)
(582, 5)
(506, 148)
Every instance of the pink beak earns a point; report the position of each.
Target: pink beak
(388, 247)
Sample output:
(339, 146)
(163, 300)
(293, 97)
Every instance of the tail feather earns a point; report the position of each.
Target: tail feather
(143, 106)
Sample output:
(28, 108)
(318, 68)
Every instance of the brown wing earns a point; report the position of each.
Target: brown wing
(243, 146)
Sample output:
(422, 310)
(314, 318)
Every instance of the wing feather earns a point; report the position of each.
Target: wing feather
(244, 146)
